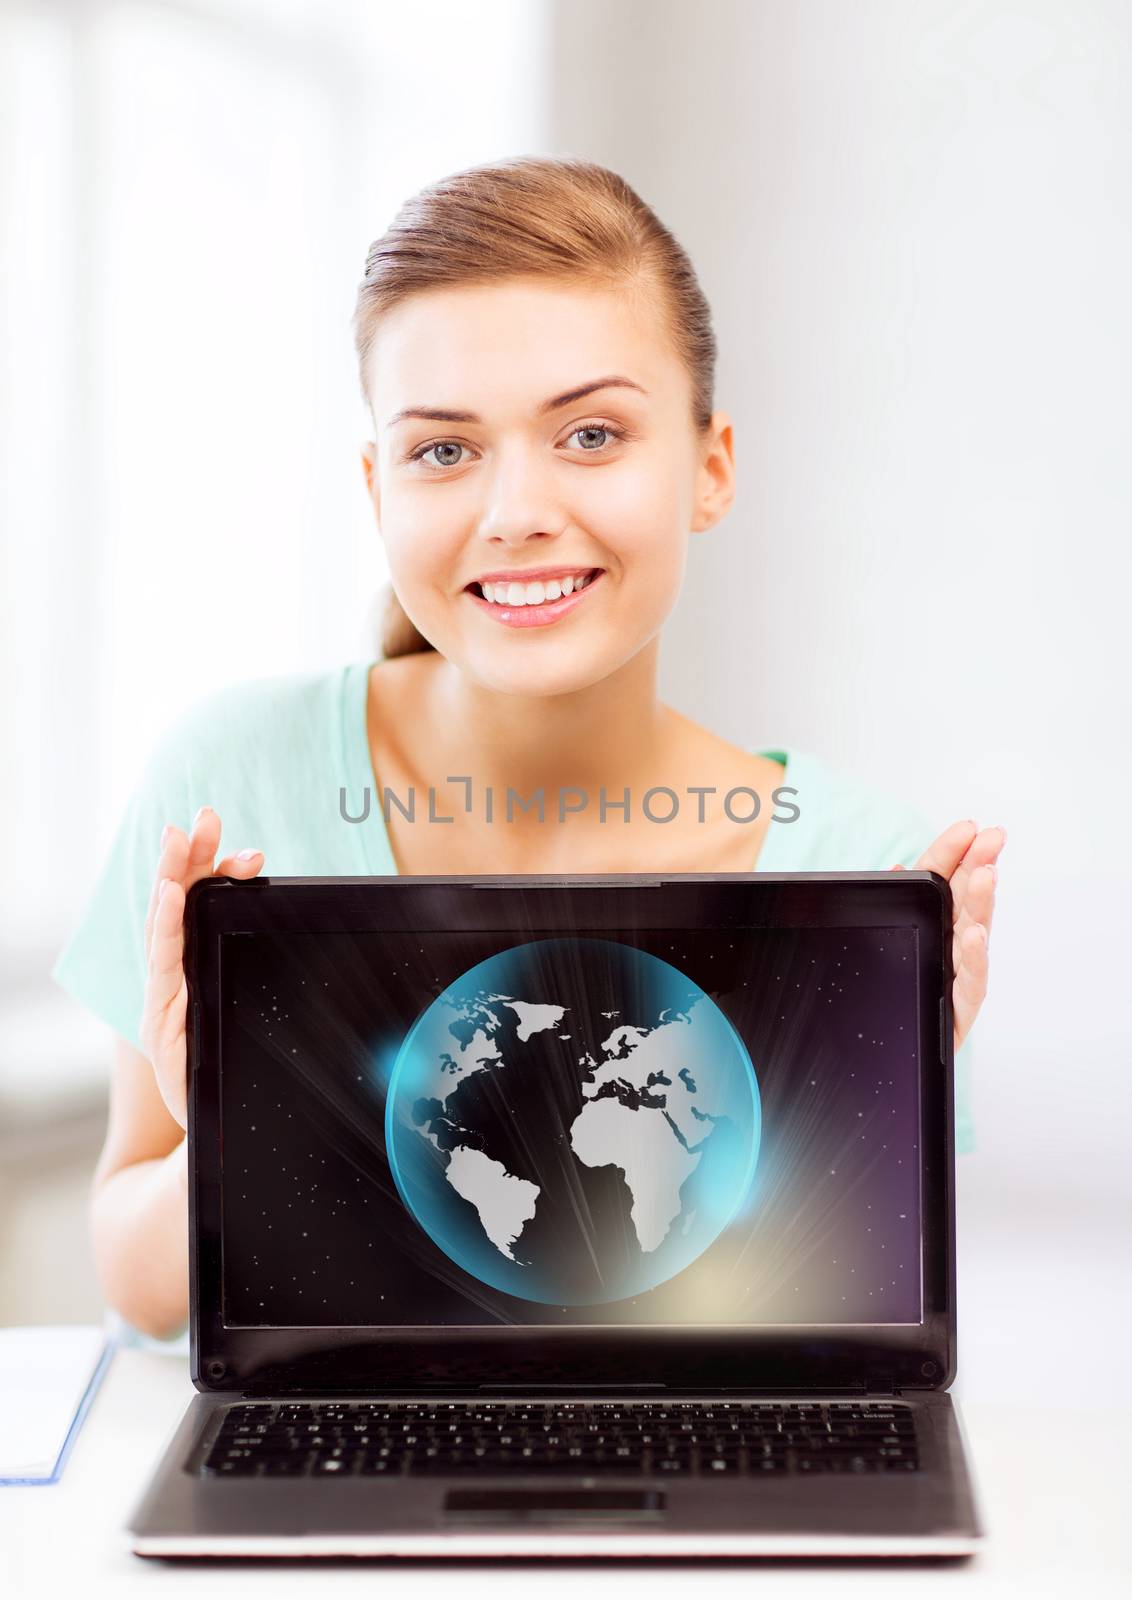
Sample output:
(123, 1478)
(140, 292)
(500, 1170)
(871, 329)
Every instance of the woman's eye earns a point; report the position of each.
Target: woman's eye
(591, 428)
(447, 451)
(441, 445)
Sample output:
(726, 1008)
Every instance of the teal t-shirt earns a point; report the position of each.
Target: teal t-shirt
(272, 755)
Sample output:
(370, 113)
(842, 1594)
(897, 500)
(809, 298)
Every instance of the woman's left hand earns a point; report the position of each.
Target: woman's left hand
(965, 855)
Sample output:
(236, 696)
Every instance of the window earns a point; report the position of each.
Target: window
(188, 193)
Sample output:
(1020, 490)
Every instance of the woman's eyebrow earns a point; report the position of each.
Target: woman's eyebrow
(438, 414)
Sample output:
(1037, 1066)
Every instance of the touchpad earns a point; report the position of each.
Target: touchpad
(554, 1505)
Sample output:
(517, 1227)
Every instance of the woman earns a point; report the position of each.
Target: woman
(538, 361)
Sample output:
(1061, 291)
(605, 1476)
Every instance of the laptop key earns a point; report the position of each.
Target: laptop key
(659, 1439)
(290, 1466)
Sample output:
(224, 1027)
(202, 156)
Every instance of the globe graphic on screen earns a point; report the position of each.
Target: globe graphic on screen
(573, 1121)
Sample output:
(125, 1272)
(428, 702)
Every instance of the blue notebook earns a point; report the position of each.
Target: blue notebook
(48, 1378)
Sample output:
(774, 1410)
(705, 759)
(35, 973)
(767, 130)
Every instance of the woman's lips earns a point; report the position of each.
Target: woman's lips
(535, 616)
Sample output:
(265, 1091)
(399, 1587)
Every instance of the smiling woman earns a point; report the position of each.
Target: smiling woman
(528, 482)
(534, 223)
(538, 362)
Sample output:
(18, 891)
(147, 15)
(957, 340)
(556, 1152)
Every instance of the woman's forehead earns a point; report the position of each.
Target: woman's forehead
(465, 346)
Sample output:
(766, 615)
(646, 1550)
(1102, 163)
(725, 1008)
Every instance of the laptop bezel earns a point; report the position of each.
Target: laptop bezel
(711, 1358)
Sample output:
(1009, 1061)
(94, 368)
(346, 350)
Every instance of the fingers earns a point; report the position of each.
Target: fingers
(204, 841)
(171, 862)
(166, 1000)
(978, 904)
(944, 854)
(984, 850)
(973, 888)
(965, 855)
(970, 986)
(974, 883)
(244, 864)
(185, 858)
(166, 948)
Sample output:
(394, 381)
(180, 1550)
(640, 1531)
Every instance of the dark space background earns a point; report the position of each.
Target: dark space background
(315, 1232)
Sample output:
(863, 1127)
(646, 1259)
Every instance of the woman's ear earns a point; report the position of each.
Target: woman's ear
(715, 478)
(369, 467)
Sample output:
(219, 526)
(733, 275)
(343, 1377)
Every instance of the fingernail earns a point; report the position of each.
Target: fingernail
(246, 855)
(1002, 830)
(993, 871)
(161, 887)
(201, 813)
(165, 832)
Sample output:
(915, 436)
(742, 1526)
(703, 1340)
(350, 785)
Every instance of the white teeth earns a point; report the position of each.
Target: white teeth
(533, 594)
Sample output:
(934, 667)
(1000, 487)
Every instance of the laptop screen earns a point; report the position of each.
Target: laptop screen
(615, 1128)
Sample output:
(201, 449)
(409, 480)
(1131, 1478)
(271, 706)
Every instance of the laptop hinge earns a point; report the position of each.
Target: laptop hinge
(874, 1387)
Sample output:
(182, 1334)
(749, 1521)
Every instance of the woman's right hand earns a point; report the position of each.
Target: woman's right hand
(185, 857)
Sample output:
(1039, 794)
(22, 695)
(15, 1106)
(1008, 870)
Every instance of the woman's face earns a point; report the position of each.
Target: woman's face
(524, 473)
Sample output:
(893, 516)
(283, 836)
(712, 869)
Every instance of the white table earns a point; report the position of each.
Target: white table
(1041, 1297)
(1057, 1527)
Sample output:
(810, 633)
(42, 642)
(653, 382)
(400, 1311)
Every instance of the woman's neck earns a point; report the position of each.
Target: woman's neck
(429, 728)
(608, 733)
(611, 734)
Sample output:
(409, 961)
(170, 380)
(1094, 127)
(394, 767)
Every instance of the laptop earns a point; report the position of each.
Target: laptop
(602, 1216)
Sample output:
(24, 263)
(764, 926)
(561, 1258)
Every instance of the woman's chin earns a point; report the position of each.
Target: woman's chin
(555, 673)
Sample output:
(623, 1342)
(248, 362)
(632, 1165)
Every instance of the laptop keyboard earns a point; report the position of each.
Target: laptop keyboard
(658, 1438)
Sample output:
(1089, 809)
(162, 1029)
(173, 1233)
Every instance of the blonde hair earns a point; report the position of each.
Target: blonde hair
(532, 216)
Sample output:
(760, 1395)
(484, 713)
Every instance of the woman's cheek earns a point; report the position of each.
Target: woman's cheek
(424, 560)
(621, 496)
(646, 537)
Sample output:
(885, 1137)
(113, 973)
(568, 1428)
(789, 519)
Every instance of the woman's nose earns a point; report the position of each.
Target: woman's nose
(519, 498)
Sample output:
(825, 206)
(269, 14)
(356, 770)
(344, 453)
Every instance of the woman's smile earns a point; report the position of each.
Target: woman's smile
(512, 607)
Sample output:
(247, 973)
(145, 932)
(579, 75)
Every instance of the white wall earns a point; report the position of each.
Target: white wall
(914, 223)
(188, 189)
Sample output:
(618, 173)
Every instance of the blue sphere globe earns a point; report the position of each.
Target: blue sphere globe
(573, 1121)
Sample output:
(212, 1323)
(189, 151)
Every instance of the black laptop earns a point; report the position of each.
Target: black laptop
(592, 1215)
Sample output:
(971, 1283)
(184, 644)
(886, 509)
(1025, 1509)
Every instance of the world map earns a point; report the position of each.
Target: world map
(562, 1148)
